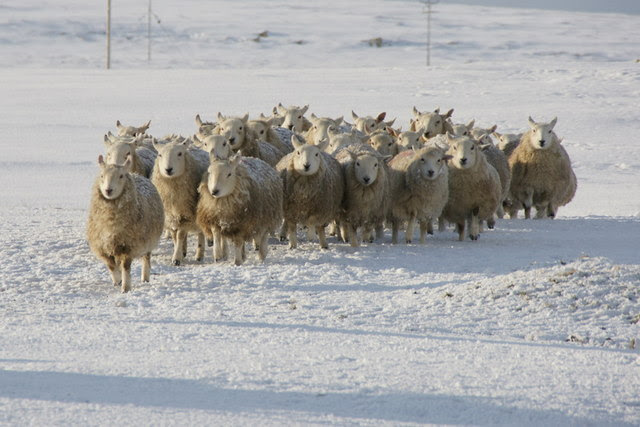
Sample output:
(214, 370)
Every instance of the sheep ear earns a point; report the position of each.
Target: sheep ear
(416, 113)
(470, 124)
(107, 141)
(196, 141)
(323, 144)
(305, 108)
(234, 160)
(450, 137)
(448, 114)
(339, 120)
(381, 117)
(198, 120)
(437, 110)
(484, 147)
(354, 116)
(118, 124)
(412, 127)
(220, 116)
(101, 161)
(313, 117)
(447, 157)
(245, 118)
(139, 138)
(279, 109)
(553, 122)
(492, 129)
(532, 122)
(390, 122)
(392, 132)
(297, 143)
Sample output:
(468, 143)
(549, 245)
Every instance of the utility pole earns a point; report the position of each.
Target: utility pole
(149, 34)
(108, 34)
(428, 4)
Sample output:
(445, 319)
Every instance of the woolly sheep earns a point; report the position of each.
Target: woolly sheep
(294, 117)
(122, 148)
(276, 119)
(216, 145)
(432, 123)
(205, 128)
(483, 135)
(232, 128)
(366, 191)
(131, 130)
(313, 189)
(125, 221)
(370, 124)
(383, 143)
(263, 130)
(339, 140)
(462, 129)
(419, 190)
(498, 160)
(541, 172)
(176, 175)
(320, 128)
(507, 142)
(409, 140)
(474, 187)
(240, 199)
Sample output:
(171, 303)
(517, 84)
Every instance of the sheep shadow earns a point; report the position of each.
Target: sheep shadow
(183, 394)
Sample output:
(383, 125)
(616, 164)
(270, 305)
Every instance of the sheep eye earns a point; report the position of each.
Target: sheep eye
(298, 153)
(549, 131)
(390, 144)
(261, 132)
(437, 122)
(473, 147)
(317, 154)
(375, 166)
(179, 154)
(121, 176)
(224, 144)
(159, 155)
(439, 160)
(229, 176)
(357, 163)
(240, 128)
(128, 154)
(299, 117)
(422, 160)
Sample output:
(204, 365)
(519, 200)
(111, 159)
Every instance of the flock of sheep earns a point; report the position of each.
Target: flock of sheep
(239, 180)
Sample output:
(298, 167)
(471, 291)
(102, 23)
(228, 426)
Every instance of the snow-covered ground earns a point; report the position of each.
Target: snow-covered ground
(534, 324)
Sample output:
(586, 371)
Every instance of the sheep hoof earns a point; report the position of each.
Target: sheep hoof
(408, 241)
(176, 262)
(283, 238)
(474, 237)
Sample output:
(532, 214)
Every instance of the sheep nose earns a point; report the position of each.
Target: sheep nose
(366, 179)
(215, 192)
(169, 170)
(232, 140)
(430, 173)
(542, 141)
(306, 166)
(463, 161)
(108, 191)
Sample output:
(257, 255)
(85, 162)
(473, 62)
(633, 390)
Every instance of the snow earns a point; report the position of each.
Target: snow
(536, 323)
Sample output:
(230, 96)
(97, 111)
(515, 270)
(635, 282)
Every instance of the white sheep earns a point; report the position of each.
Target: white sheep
(313, 189)
(216, 145)
(339, 140)
(383, 143)
(240, 200)
(275, 118)
(419, 190)
(498, 160)
(125, 221)
(232, 128)
(474, 187)
(369, 124)
(507, 142)
(409, 140)
(205, 128)
(177, 174)
(461, 129)
(131, 130)
(541, 172)
(119, 149)
(263, 130)
(366, 191)
(431, 123)
(294, 118)
(320, 128)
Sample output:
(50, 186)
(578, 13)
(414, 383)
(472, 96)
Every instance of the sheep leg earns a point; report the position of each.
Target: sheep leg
(353, 235)
(474, 224)
(500, 211)
(345, 232)
(322, 237)
(239, 247)
(283, 231)
(368, 234)
(442, 226)
(114, 270)
(311, 233)
(424, 229)
(541, 210)
(528, 202)
(178, 247)
(429, 226)
(146, 267)
(408, 234)
(551, 211)
(379, 232)
(219, 245)
(460, 230)
(491, 222)
(125, 268)
(293, 237)
(200, 250)
(184, 245)
(264, 247)
(395, 225)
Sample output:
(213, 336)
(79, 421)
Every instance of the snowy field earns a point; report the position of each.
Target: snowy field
(537, 323)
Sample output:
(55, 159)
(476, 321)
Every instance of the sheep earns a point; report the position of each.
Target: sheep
(507, 142)
(383, 143)
(131, 130)
(433, 123)
(313, 189)
(232, 128)
(498, 160)
(474, 187)
(119, 149)
(369, 124)
(176, 175)
(263, 130)
(320, 128)
(276, 119)
(366, 191)
(262, 150)
(240, 199)
(541, 172)
(294, 118)
(483, 135)
(216, 145)
(205, 128)
(462, 129)
(408, 140)
(125, 221)
(419, 190)
(339, 140)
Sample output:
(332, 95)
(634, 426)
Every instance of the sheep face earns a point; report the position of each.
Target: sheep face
(113, 178)
(409, 140)
(366, 169)
(383, 143)
(222, 177)
(464, 152)
(462, 129)
(292, 117)
(258, 129)
(217, 147)
(119, 152)
(368, 124)
(321, 128)
(171, 158)
(432, 124)
(338, 141)
(131, 130)
(432, 162)
(542, 136)
(306, 157)
(233, 129)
